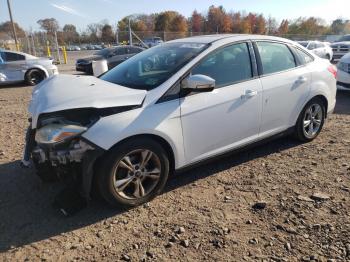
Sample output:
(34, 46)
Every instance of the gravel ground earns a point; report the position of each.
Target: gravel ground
(283, 201)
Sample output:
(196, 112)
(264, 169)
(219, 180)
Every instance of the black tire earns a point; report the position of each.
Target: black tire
(106, 176)
(300, 132)
(34, 76)
(328, 57)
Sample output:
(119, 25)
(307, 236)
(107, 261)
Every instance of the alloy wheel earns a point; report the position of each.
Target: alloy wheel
(312, 121)
(137, 174)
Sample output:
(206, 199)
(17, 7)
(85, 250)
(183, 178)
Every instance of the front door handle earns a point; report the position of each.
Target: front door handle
(249, 93)
(301, 80)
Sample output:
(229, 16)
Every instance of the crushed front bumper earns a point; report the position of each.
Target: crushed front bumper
(74, 159)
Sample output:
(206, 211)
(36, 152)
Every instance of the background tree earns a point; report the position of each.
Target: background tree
(260, 25)
(93, 30)
(236, 19)
(50, 25)
(6, 29)
(70, 33)
(340, 26)
(179, 24)
(215, 19)
(271, 26)
(107, 35)
(197, 22)
(164, 20)
(284, 27)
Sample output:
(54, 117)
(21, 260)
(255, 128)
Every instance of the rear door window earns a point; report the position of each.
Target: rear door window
(304, 58)
(275, 57)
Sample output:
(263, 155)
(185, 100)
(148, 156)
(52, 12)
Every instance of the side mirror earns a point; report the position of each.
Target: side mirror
(198, 83)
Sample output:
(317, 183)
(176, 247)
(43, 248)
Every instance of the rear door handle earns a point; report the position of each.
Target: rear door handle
(249, 93)
(301, 80)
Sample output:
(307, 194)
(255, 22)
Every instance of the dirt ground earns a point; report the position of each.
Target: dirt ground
(283, 201)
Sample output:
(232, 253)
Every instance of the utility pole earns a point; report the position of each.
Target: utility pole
(57, 48)
(130, 35)
(13, 25)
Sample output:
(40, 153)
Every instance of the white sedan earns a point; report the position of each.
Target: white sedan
(172, 106)
(321, 49)
(18, 66)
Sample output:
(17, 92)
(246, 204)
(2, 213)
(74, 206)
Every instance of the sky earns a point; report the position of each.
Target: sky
(83, 12)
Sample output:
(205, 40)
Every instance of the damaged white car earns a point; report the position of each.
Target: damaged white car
(173, 106)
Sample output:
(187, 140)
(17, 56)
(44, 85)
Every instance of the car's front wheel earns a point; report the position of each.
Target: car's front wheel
(133, 173)
(34, 76)
(311, 120)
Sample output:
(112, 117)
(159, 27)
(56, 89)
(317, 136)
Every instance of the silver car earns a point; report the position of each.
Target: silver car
(17, 66)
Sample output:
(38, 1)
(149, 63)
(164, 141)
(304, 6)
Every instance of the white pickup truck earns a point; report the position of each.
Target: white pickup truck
(341, 47)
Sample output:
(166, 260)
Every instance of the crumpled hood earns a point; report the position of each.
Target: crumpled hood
(62, 92)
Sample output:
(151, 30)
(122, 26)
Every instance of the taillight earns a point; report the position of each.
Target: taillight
(333, 70)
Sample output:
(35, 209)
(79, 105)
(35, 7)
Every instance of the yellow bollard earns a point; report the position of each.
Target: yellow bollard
(17, 47)
(64, 54)
(48, 51)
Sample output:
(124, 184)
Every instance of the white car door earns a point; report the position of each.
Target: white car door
(229, 116)
(285, 87)
(13, 65)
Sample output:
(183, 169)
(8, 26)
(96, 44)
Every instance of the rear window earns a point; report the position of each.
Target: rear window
(304, 58)
(9, 57)
(275, 57)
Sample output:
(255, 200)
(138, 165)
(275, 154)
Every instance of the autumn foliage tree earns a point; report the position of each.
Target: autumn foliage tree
(197, 22)
(6, 29)
(284, 27)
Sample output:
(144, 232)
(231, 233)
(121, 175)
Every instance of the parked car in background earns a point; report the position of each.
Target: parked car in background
(114, 57)
(73, 48)
(17, 66)
(320, 49)
(173, 106)
(152, 41)
(341, 47)
(343, 76)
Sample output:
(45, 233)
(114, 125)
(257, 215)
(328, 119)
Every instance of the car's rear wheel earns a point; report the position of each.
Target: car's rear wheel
(311, 120)
(34, 76)
(133, 173)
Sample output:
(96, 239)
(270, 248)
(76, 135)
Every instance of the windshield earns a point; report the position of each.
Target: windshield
(344, 38)
(103, 52)
(154, 66)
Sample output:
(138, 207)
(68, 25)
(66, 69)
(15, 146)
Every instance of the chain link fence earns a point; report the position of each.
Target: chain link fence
(45, 45)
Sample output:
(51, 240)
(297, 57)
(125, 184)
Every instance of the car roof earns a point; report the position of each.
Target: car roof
(207, 39)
